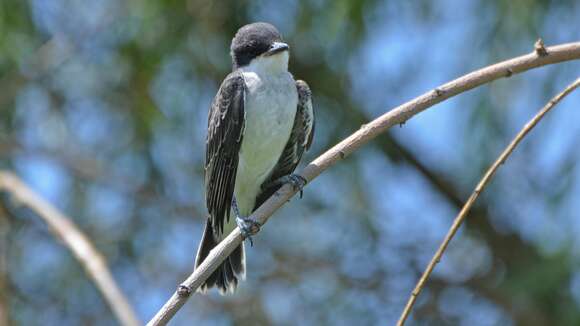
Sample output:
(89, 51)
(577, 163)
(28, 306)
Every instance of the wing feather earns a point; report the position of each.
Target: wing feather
(224, 138)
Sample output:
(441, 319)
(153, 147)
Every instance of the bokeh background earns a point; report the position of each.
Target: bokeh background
(103, 111)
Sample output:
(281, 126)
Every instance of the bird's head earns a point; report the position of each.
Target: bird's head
(259, 44)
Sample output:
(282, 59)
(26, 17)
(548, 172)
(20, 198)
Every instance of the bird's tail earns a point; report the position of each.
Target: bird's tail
(225, 277)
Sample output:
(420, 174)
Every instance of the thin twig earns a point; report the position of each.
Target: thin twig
(90, 259)
(560, 53)
(476, 192)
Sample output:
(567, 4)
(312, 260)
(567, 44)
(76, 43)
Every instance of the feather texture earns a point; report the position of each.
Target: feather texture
(299, 142)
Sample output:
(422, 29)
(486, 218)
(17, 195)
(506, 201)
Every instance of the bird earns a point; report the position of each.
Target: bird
(260, 123)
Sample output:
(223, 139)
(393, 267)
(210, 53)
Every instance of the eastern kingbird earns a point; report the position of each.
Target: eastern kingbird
(260, 123)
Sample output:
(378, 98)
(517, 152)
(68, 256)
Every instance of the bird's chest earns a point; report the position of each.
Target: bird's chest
(270, 107)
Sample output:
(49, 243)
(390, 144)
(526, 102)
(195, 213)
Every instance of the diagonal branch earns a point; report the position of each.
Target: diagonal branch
(402, 113)
(478, 189)
(78, 243)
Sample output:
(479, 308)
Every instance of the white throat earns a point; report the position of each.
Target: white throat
(273, 64)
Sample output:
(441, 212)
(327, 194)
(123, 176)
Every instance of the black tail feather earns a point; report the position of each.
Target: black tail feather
(225, 277)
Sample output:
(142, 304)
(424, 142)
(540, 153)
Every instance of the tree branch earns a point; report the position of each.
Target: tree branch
(90, 259)
(478, 189)
(555, 54)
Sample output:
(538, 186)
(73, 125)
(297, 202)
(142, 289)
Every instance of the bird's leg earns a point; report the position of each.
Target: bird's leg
(296, 180)
(248, 226)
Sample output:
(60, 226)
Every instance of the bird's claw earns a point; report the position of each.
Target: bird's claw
(298, 182)
(248, 227)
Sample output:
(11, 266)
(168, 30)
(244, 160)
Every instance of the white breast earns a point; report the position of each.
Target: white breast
(270, 106)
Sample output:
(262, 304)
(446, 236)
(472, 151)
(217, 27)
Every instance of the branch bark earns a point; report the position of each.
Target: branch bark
(78, 243)
(400, 114)
(478, 189)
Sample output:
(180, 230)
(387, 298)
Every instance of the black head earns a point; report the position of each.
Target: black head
(253, 40)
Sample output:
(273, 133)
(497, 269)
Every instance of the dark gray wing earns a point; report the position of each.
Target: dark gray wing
(299, 142)
(224, 138)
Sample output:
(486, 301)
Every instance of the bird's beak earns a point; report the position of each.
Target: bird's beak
(276, 47)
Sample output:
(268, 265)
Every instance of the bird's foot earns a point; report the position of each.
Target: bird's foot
(248, 227)
(297, 181)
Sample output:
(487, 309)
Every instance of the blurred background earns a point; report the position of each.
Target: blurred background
(103, 111)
